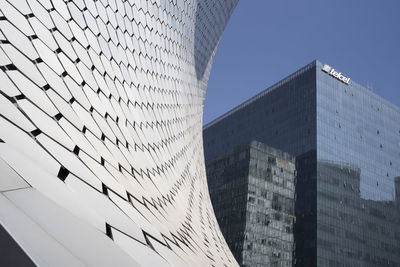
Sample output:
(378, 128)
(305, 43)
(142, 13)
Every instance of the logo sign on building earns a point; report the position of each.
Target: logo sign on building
(334, 73)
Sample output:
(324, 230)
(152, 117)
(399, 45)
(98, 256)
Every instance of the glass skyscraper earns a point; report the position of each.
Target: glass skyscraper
(346, 140)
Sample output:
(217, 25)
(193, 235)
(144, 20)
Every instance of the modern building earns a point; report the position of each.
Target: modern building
(101, 151)
(252, 192)
(346, 140)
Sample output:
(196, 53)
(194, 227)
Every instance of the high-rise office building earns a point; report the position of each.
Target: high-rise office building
(252, 192)
(346, 140)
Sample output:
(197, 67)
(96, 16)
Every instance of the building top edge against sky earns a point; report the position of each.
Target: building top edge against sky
(292, 76)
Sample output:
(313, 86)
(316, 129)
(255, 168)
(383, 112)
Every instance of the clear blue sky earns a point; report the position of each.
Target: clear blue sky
(266, 40)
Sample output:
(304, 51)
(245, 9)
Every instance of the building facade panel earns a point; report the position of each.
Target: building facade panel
(282, 115)
(357, 136)
(100, 123)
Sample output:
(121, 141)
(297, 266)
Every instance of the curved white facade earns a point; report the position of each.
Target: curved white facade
(101, 153)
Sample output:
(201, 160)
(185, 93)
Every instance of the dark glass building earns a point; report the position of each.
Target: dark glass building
(346, 140)
(252, 192)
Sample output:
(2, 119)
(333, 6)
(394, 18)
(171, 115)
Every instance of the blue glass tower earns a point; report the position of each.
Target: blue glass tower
(346, 140)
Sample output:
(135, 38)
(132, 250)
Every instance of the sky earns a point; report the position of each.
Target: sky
(266, 40)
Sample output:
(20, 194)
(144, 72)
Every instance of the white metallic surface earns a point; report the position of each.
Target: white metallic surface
(101, 154)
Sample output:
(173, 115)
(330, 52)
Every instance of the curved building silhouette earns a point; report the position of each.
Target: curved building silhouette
(101, 151)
